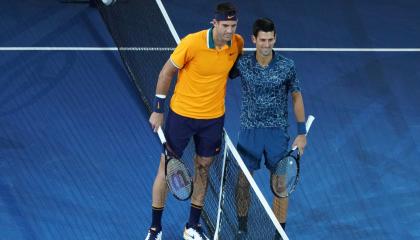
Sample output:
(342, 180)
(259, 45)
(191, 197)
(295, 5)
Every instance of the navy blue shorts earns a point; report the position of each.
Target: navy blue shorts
(272, 143)
(207, 134)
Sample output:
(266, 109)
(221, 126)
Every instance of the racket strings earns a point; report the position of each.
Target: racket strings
(283, 179)
(178, 179)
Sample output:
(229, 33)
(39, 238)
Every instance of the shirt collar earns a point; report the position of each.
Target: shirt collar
(210, 40)
(269, 64)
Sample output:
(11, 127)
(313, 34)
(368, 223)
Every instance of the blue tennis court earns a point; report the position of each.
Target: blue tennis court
(78, 157)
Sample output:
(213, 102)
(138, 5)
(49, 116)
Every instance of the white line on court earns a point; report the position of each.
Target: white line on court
(168, 21)
(171, 49)
(58, 49)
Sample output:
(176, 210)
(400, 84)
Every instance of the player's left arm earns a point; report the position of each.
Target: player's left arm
(299, 109)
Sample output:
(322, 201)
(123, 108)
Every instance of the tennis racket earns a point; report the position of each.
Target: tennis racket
(285, 178)
(178, 178)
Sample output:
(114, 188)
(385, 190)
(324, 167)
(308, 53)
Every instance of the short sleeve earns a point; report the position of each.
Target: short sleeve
(293, 80)
(182, 53)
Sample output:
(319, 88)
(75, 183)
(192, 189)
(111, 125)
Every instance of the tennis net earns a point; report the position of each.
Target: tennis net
(140, 23)
(220, 209)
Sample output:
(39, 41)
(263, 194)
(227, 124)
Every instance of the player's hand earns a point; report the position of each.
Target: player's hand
(156, 120)
(300, 142)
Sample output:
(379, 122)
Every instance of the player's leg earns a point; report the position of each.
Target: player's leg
(177, 133)
(250, 150)
(280, 206)
(193, 228)
(276, 146)
(208, 140)
(243, 200)
(159, 193)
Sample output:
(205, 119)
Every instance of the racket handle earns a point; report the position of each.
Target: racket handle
(308, 124)
(309, 121)
(161, 135)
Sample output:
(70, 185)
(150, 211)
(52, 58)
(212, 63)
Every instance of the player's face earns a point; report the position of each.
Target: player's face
(264, 42)
(225, 29)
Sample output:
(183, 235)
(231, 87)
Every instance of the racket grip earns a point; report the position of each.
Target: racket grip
(161, 135)
(308, 124)
(309, 121)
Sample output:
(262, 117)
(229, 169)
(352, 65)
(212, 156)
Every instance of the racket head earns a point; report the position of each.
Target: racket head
(178, 178)
(285, 177)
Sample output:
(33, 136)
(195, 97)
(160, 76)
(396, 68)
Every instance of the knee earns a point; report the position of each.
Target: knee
(160, 175)
(161, 170)
(203, 162)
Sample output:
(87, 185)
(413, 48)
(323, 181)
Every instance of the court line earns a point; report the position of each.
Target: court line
(58, 49)
(168, 21)
(171, 49)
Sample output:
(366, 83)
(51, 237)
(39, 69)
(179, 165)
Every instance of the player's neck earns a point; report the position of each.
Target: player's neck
(218, 43)
(264, 60)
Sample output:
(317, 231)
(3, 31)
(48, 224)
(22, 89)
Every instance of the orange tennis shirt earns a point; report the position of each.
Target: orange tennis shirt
(202, 76)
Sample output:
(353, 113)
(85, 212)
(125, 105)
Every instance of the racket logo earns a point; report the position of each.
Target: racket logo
(178, 180)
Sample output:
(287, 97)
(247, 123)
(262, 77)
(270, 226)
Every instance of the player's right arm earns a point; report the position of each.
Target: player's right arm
(164, 82)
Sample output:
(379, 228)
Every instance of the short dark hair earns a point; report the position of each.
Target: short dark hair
(263, 24)
(226, 8)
